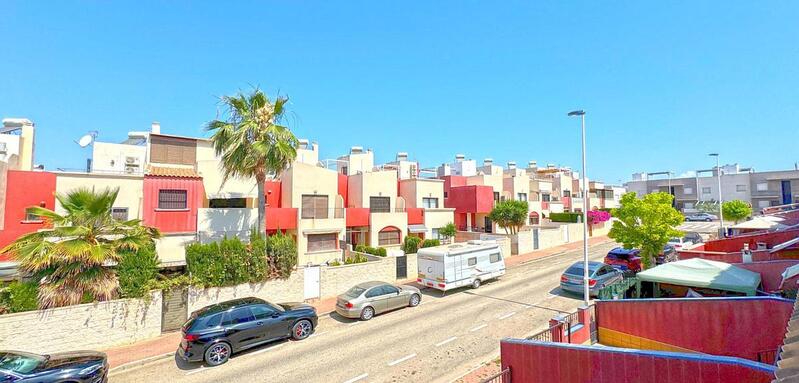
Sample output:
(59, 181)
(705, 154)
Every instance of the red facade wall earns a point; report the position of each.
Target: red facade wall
(531, 361)
(470, 199)
(739, 327)
(272, 191)
(343, 187)
(25, 189)
(415, 215)
(172, 221)
(737, 243)
(281, 218)
(357, 216)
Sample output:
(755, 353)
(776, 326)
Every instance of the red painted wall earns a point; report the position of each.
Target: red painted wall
(357, 216)
(342, 188)
(567, 202)
(737, 243)
(736, 257)
(470, 199)
(415, 215)
(25, 189)
(184, 221)
(739, 327)
(281, 218)
(770, 272)
(273, 193)
(538, 362)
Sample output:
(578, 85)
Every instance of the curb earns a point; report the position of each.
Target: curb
(139, 363)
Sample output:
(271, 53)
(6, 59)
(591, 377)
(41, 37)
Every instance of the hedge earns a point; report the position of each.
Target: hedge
(411, 245)
(378, 251)
(431, 243)
(19, 296)
(565, 217)
(136, 271)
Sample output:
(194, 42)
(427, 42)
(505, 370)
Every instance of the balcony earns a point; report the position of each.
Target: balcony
(357, 216)
(325, 219)
(415, 216)
(281, 218)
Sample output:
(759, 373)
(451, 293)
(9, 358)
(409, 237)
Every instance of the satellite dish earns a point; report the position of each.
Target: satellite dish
(87, 139)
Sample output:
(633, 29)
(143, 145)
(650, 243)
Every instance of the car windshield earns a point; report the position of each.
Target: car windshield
(20, 363)
(355, 291)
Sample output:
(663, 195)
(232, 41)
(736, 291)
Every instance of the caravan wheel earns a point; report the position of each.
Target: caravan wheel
(476, 284)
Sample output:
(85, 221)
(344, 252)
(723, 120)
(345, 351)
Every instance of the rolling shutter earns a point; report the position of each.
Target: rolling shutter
(322, 242)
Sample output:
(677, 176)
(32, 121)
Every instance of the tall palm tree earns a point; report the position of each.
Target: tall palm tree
(72, 256)
(252, 142)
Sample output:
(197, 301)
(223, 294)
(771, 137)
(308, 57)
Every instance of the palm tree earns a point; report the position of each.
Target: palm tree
(251, 141)
(71, 258)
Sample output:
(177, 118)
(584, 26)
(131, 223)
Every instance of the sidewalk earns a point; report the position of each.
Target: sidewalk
(164, 346)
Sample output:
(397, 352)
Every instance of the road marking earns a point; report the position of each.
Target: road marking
(267, 349)
(400, 360)
(443, 342)
(201, 369)
(482, 326)
(357, 378)
(353, 323)
(508, 315)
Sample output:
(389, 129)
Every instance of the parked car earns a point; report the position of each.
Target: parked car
(364, 300)
(75, 366)
(701, 217)
(669, 254)
(600, 275)
(448, 267)
(624, 259)
(680, 243)
(694, 237)
(215, 332)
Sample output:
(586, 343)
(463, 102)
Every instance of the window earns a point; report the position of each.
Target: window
(689, 205)
(763, 204)
(262, 311)
(496, 196)
(30, 217)
(705, 190)
(314, 206)
(545, 197)
(430, 203)
(380, 204)
(226, 203)
(239, 315)
(204, 322)
(170, 199)
(688, 190)
(446, 194)
(521, 196)
(472, 261)
(435, 234)
(119, 213)
(387, 289)
(567, 193)
(495, 257)
(762, 186)
(388, 237)
(740, 188)
(374, 292)
(322, 242)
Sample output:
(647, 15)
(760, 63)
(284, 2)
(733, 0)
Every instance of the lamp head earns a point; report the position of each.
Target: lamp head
(576, 113)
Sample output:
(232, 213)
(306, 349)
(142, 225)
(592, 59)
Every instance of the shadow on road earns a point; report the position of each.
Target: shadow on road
(566, 294)
(525, 304)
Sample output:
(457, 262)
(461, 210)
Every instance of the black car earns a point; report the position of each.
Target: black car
(76, 366)
(215, 332)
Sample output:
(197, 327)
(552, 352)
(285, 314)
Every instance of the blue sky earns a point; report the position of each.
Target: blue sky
(663, 83)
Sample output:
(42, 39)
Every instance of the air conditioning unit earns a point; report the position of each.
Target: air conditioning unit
(132, 161)
(3, 148)
(130, 170)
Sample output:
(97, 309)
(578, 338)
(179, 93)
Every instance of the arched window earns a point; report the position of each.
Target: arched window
(389, 236)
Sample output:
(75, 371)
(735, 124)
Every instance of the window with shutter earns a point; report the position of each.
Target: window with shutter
(380, 204)
(170, 199)
(322, 242)
(388, 237)
(119, 213)
(430, 203)
(314, 206)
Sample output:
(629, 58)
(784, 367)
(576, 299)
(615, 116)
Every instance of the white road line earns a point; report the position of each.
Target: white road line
(357, 378)
(508, 315)
(482, 326)
(400, 360)
(201, 369)
(267, 349)
(445, 341)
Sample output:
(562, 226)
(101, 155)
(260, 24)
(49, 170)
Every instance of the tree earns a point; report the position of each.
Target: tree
(71, 256)
(646, 223)
(448, 231)
(252, 143)
(736, 210)
(509, 215)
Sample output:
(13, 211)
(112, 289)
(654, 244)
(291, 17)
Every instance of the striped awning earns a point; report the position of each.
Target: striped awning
(168, 171)
(417, 229)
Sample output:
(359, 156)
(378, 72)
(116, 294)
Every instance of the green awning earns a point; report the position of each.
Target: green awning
(697, 272)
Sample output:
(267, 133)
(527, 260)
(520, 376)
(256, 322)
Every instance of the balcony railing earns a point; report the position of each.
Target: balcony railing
(323, 213)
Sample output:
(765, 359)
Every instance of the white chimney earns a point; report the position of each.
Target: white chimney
(356, 149)
(488, 162)
(155, 127)
(511, 165)
(459, 157)
(402, 156)
(532, 164)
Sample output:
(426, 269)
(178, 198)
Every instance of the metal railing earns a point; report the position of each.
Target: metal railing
(501, 377)
(565, 328)
(323, 213)
(617, 290)
(544, 336)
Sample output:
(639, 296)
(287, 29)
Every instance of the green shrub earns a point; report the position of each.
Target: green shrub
(411, 245)
(136, 271)
(281, 254)
(361, 248)
(381, 252)
(204, 264)
(334, 263)
(431, 243)
(565, 217)
(20, 296)
(356, 258)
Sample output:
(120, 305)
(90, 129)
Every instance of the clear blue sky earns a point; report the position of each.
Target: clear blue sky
(663, 83)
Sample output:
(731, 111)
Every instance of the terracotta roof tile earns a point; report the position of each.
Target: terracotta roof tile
(166, 171)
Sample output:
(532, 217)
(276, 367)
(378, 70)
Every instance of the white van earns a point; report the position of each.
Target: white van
(456, 265)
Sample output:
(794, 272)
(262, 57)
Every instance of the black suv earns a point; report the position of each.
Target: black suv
(214, 332)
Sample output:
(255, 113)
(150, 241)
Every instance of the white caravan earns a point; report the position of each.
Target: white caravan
(456, 265)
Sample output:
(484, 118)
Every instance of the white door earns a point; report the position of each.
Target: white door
(311, 279)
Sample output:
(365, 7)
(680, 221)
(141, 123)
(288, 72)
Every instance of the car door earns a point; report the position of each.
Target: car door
(241, 329)
(395, 297)
(273, 323)
(378, 298)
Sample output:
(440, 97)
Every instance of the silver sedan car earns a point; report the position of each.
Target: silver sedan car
(364, 300)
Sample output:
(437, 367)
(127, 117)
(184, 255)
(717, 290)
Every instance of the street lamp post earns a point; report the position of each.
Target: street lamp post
(586, 288)
(721, 202)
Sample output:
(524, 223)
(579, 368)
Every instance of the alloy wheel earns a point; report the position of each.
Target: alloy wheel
(217, 354)
(302, 329)
(415, 300)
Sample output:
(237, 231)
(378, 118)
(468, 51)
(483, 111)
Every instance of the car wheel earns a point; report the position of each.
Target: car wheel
(708, 220)
(367, 313)
(415, 300)
(301, 330)
(217, 354)
(476, 284)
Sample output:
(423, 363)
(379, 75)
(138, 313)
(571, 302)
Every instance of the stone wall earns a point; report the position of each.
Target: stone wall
(413, 266)
(338, 279)
(94, 326)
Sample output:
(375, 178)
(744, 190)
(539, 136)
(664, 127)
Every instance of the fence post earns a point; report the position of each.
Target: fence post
(556, 327)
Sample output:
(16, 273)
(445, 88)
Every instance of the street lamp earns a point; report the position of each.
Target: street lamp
(721, 202)
(586, 292)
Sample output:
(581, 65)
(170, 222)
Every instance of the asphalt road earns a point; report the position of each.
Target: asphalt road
(438, 341)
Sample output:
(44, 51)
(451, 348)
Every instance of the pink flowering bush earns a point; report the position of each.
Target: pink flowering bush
(597, 216)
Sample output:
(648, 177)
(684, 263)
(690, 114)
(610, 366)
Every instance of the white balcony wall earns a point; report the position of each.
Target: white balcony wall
(214, 224)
